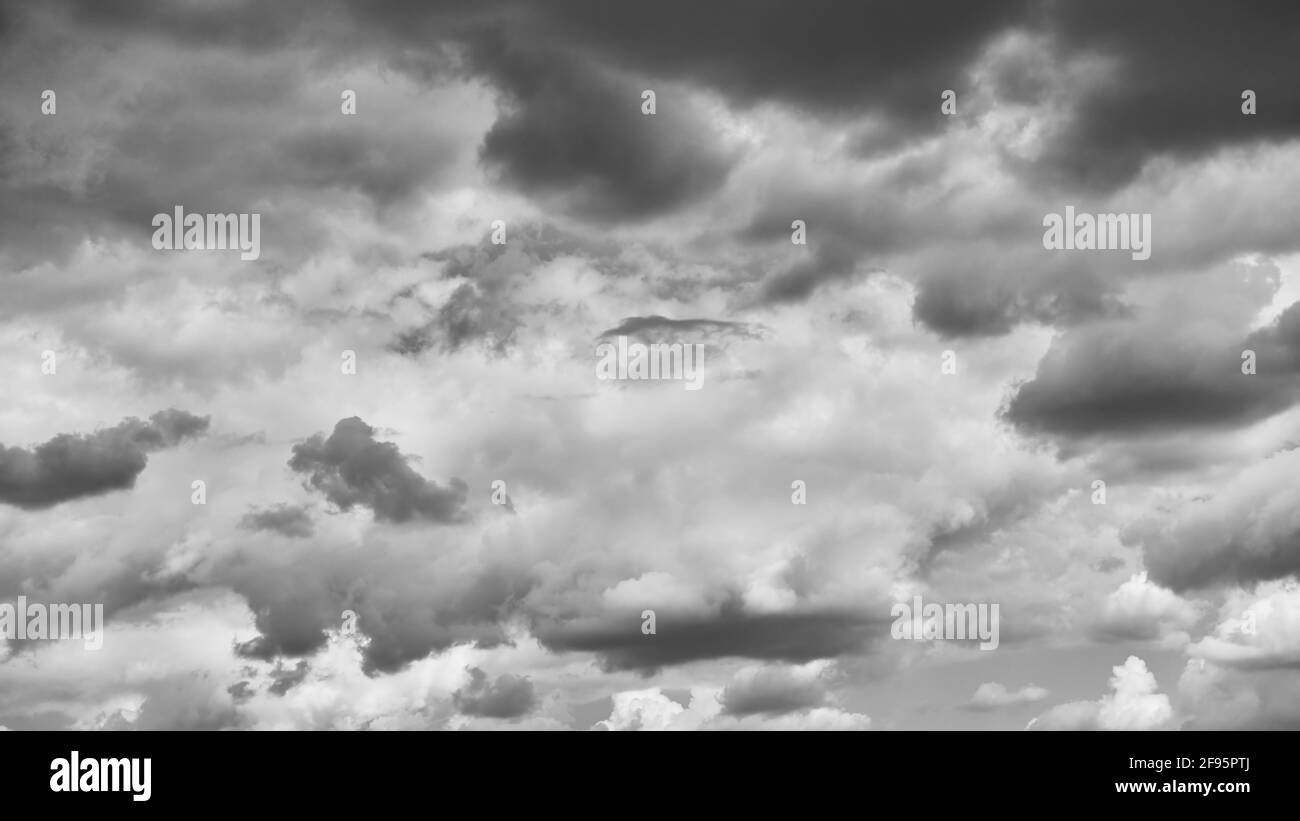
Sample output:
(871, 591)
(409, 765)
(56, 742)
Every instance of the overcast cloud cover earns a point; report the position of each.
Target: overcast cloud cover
(355, 563)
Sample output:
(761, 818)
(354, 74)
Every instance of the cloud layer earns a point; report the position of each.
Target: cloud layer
(422, 506)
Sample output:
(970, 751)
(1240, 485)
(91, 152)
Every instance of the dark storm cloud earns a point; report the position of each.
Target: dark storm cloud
(507, 697)
(974, 301)
(1127, 378)
(182, 701)
(1243, 556)
(351, 468)
(571, 73)
(772, 691)
(823, 55)
(288, 520)
(1220, 544)
(245, 25)
(790, 637)
(72, 466)
(1180, 70)
(1243, 532)
(570, 129)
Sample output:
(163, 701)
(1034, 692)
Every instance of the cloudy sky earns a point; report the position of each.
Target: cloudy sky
(1173, 604)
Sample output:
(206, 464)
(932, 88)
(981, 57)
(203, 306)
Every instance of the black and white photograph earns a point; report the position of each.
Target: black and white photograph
(723, 365)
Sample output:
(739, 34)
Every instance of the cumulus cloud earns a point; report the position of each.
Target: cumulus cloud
(1126, 377)
(507, 697)
(1134, 703)
(1260, 633)
(1139, 610)
(924, 234)
(72, 466)
(352, 468)
(578, 135)
(1141, 79)
(1244, 531)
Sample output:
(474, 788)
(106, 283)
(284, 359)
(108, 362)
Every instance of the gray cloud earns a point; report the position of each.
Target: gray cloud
(835, 57)
(406, 608)
(288, 520)
(1190, 61)
(1243, 533)
(655, 328)
(483, 308)
(578, 133)
(773, 690)
(980, 300)
(507, 697)
(72, 466)
(351, 468)
(468, 315)
(794, 637)
(767, 111)
(843, 228)
(285, 679)
(184, 701)
(1127, 378)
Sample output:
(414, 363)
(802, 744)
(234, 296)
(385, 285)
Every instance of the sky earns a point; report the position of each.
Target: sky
(374, 477)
